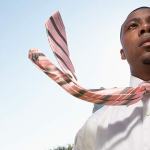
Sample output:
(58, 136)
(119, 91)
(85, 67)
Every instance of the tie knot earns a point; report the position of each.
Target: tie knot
(146, 84)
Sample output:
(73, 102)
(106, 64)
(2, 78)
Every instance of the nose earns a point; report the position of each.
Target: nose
(144, 29)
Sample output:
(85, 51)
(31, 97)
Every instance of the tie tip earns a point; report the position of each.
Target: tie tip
(31, 52)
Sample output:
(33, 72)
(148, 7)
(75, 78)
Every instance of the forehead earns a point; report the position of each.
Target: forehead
(139, 13)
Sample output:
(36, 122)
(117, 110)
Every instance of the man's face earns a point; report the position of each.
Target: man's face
(135, 39)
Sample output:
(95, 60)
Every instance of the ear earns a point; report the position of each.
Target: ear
(123, 55)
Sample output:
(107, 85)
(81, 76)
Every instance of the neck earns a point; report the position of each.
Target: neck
(143, 73)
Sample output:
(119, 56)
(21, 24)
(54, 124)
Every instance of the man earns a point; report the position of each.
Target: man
(124, 127)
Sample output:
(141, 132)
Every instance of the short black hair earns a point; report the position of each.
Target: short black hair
(142, 7)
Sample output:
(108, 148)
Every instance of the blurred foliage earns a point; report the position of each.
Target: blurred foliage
(69, 147)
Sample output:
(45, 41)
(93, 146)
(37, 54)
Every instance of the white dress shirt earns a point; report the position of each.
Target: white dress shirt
(117, 127)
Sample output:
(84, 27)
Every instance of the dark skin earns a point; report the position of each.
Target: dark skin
(135, 40)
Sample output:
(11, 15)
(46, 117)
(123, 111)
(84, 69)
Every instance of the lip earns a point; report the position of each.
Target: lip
(144, 42)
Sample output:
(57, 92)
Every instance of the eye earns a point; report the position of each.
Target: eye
(132, 26)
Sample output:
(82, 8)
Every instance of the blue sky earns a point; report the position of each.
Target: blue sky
(35, 113)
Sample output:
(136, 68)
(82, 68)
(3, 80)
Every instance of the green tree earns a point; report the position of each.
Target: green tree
(69, 147)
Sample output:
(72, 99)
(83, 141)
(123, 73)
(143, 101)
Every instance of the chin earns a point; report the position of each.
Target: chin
(146, 58)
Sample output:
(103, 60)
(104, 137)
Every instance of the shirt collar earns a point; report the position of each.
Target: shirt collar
(134, 81)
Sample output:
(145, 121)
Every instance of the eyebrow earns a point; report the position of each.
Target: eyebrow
(136, 20)
(130, 20)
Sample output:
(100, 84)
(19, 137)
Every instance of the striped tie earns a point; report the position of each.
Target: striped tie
(66, 77)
